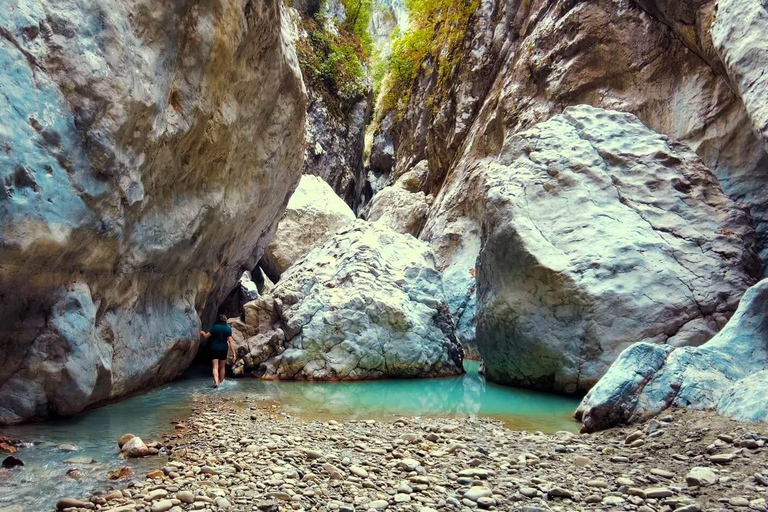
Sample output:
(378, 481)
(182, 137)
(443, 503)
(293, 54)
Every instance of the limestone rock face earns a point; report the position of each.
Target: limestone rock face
(403, 207)
(366, 304)
(336, 116)
(526, 61)
(738, 33)
(148, 150)
(599, 233)
(727, 374)
(334, 149)
(314, 213)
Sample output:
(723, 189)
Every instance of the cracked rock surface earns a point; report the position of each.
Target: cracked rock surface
(368, 303)
(147, 150)
(728, 374)
(598, 233)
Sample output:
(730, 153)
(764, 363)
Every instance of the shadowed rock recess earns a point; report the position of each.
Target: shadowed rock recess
(368, 303)
(148, 149)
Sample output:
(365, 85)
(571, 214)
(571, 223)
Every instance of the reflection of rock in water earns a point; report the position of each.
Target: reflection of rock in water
(428, 397)
(473, 391)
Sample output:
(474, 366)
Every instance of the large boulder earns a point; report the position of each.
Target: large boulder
(599, 233)
(314, 213)
(403, 207)
(728, 374)
(148, 149)
(366, 304)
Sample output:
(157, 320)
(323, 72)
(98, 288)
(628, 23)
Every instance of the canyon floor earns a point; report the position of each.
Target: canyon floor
(243, 455)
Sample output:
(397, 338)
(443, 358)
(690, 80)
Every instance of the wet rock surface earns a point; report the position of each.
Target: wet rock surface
(599, 233)
(249, 456)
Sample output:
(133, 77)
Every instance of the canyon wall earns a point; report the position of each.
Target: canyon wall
(148, 150)
(693, 71)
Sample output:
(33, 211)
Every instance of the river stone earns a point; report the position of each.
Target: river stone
(408, 464)
(148, 152)
(185, 497)
(314, 213)
(366, 304)
(65, 503)
(12, 461)
(658, 492)
(476, 492)
(378, 504)
(135, 447)
(124, 439)
(79, 460)
(725, 374)
(157, 494)
(162, 506)
(701, 477)
(660, 254)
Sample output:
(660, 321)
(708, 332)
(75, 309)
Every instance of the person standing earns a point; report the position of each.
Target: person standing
(220, 335)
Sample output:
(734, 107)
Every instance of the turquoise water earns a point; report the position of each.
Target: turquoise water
(95, 433)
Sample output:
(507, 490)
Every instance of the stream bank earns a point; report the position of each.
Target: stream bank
(243, 455)
(94, 434)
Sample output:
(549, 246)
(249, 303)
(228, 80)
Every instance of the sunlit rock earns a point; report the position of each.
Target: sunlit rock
(366, 304)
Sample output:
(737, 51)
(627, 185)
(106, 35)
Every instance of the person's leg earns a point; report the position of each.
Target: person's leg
(222, 370)
(216, 372)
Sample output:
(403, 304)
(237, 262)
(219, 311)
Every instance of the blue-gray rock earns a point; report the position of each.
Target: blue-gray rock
(727, 374)
(146, 152)
(367, 304)
(599, 233)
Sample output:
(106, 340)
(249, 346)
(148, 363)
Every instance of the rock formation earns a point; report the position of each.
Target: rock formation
(339, 89)
(727, 374)
(599, 233)
(366, 304)
(403, 207)
(683, 71)
(314, 213)
(148, 150)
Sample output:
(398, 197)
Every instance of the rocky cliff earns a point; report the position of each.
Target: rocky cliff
(693, 71)
(147, 151)
(334, 64)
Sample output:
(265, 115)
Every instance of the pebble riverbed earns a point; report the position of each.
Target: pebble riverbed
(242, 455)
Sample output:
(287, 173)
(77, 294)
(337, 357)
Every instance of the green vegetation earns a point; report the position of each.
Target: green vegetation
(335, 63)
(358, 17)
(437, 31)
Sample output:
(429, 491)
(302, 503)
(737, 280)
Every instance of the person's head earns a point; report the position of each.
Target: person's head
(222, 319)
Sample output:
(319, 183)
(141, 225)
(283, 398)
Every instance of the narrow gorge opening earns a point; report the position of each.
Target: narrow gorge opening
(377, 195)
